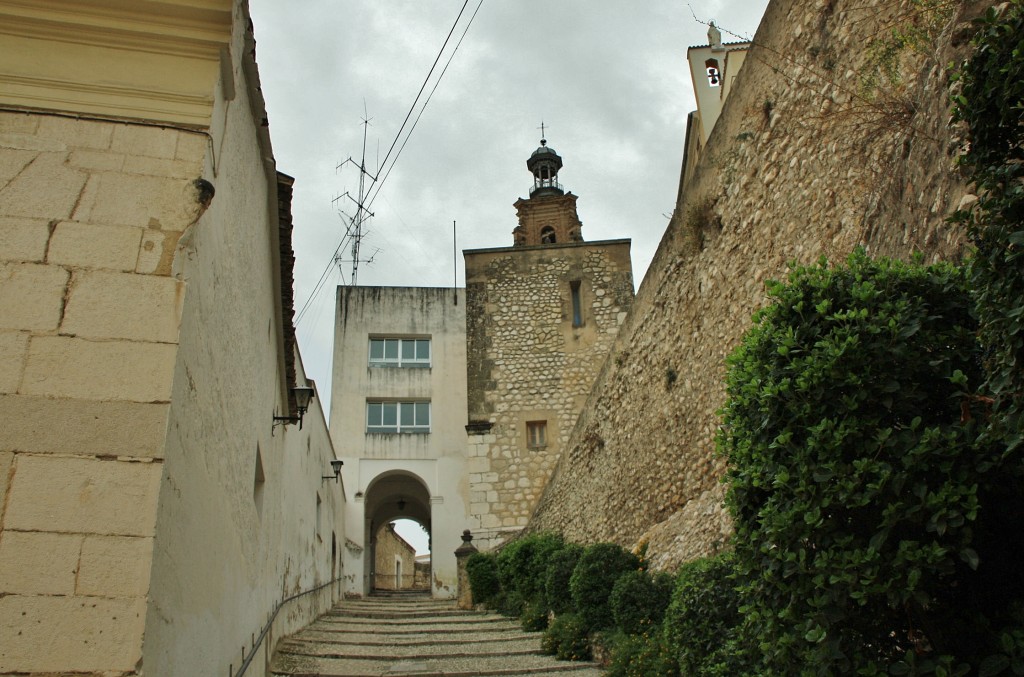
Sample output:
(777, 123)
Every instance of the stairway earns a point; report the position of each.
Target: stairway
(410, 634)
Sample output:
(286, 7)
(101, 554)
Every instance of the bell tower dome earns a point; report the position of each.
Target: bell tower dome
(548, 216)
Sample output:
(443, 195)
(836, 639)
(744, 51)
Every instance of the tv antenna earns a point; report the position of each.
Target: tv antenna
(354, 224)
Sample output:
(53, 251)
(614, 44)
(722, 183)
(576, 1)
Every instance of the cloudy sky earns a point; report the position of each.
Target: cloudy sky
(607, 77)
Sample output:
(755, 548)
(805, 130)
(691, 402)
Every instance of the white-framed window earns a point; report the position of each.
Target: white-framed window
(536, 434)
(400, 352)
(398, 417)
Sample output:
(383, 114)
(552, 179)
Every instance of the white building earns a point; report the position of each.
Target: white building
(398, 417)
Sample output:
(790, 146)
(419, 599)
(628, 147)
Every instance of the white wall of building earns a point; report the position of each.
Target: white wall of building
(424, 473)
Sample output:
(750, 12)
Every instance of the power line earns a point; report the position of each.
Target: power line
(376, 185)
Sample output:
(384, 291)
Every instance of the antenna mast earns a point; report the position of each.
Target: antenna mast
(354, 227)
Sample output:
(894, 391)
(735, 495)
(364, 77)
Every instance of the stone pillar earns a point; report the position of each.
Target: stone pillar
(465, 595)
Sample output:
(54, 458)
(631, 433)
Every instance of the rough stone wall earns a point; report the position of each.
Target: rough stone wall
(389, 549)
(527, 362)
(809, 158)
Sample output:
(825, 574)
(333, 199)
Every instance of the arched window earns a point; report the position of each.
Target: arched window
(714, 74)
(547, 235)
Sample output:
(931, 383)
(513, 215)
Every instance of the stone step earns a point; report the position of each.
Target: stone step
(292, 665)
(402, 638)
(508, 647)
(367, 636)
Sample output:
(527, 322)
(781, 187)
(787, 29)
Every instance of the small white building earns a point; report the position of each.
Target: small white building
(398, 417)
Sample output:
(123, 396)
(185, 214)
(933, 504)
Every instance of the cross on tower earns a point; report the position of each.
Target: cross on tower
(543, 136)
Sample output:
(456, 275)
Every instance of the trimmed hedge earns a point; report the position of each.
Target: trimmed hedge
(855, 480)
(639, 599)
(592, 580)
(556, 578)
(482, 570)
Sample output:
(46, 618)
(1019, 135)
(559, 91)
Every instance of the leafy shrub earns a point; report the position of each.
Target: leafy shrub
(991, 103)
(556, 577)
(534, 617)
(567, 639)
(522, 564)
(701, 623)
(509, 604)
(643, 655)
(592, 580)
(854, 477)
(639, 599)
(482, 569)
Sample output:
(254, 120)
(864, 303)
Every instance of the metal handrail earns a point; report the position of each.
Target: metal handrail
(257, 643)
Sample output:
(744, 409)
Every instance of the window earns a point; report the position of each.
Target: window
(577, 306)
(547, 235)
(536, 434)
(398, 417)
(714, 74)
(400, 352)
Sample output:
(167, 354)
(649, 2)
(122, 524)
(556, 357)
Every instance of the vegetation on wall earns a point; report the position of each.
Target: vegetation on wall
(991, 104)
(854, 480)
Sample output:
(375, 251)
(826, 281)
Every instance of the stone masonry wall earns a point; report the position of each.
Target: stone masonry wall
(90, 213)
(822, 146)
(529, 363)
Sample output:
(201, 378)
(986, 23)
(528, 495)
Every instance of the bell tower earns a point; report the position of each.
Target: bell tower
(548, 216)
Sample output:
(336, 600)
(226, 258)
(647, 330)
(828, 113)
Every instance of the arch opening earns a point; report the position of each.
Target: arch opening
(398, 530)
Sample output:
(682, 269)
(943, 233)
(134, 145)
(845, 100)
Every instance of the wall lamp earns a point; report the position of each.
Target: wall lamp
(303, 395)
(336, 468)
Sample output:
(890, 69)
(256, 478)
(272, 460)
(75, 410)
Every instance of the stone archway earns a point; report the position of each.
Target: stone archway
(392, 495)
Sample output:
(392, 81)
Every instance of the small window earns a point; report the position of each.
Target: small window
(536, 434)
(577, 305)
(400, 352)
(714, 74)
(547, 235)
(398, 417)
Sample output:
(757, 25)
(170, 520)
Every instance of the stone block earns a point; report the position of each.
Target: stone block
(20, 123)
(70, 634)
(156, 255)
(191, 146)
(31, 296)
(13, 346)
(86, 496)
(115, 566)
(44, 189)
(41, 425)
(96, 160)
(13, 162)
(478, 464)
(135, 200)
(145, 141)
(35, 563)
(31, 142)
(77, 133)
(23, 240)
(84, 245)
(149, 166)
(60, 366)
(105, 305)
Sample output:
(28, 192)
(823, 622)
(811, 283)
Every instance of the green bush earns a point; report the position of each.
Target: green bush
(534, 617)
(557, 575)
(639, 599)
(991, 103)
(854, 478)
(567, 639)
(701, 623)
(522, 564)
(592, 580)
(643, 655)
(482, 569)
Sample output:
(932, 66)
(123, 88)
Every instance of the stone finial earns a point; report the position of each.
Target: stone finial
(714, 37)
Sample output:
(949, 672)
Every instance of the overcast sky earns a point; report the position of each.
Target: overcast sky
(608, 78)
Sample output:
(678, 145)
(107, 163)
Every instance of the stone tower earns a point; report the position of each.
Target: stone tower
(541, 319)
(548, 216)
